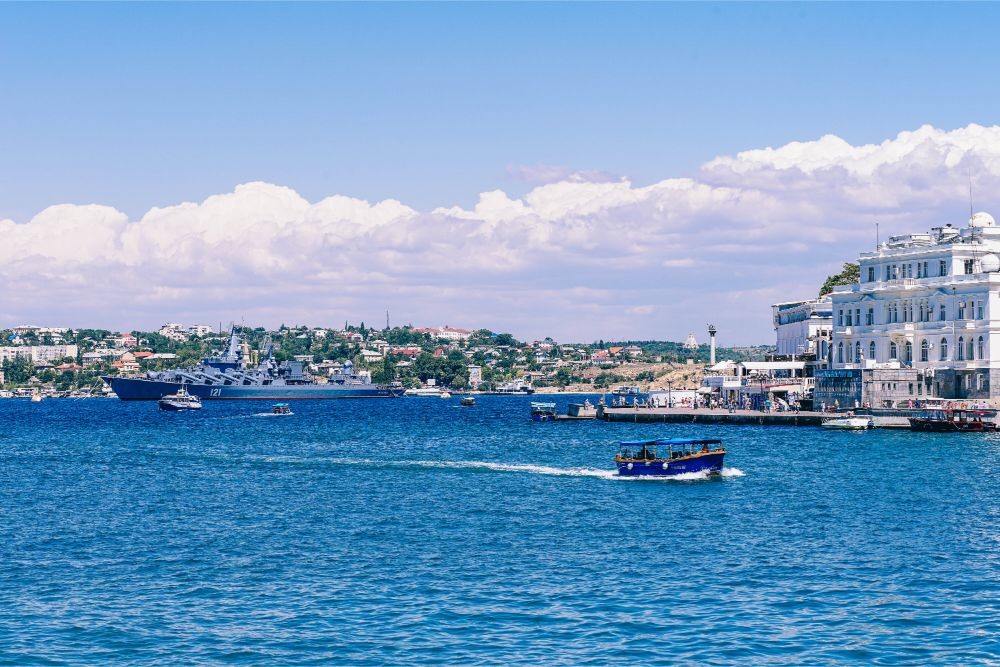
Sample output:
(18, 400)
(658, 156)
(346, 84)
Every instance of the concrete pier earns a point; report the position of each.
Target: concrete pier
(707, 416)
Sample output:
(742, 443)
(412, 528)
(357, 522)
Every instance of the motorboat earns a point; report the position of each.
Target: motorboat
(666, 458)
(848, 423)
(468, 401)
(281, 409)
(543, 412)
(431, 391)
(181, 400)
(955, 421)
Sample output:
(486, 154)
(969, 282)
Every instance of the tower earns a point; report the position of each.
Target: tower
(711, 344)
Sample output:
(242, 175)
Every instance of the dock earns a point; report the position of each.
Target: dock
(721, 416)
(708, 416)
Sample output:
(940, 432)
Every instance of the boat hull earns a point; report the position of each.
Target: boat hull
(139, 389)
(940, 426)
(711, 463)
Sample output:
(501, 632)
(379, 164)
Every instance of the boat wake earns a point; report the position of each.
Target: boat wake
(527, 468)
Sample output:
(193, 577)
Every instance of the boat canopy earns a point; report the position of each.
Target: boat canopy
(670, 441)
(550, 406)
(281, 405)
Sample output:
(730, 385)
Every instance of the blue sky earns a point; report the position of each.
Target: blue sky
(133, 106)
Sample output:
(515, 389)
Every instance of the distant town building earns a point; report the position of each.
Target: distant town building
(39, 353)
(447, 333)
(200, 330)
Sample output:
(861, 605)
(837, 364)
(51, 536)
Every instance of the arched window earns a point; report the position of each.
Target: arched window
(960, 349)
(871, 350)
(923, 350)
(944, 349)
(857, 352)
(893, 351)
(970, 350)
(840, 353)
(908, 352)
(982, 348)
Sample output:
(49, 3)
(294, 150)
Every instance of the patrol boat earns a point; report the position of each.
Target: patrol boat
(232, 375)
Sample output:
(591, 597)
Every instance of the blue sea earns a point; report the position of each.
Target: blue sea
(417, 532)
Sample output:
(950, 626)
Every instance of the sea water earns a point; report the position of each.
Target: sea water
(415, 531)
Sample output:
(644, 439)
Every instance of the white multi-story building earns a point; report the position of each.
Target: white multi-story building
(200, 330)
(803, 327)
(923, 322)
(39, 353)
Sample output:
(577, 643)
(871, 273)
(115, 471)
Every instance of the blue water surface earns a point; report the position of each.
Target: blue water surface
(414, 531)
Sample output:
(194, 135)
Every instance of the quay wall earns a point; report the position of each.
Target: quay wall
(676, 416)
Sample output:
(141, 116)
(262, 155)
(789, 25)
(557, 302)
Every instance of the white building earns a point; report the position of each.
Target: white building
(923, 322)
(447, 333)
(803, 327)
(200, 330)
(39, 353)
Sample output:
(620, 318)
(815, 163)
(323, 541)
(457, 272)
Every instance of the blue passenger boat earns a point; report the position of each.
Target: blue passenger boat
(665, 458)
(543, 412)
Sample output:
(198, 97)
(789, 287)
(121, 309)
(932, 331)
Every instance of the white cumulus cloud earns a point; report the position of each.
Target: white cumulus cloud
(576, 258)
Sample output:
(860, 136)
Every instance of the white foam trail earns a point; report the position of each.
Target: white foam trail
(505, 467)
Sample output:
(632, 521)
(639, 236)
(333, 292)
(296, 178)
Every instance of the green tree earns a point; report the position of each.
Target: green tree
(850, 274)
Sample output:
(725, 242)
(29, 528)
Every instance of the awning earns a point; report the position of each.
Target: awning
(705, 390)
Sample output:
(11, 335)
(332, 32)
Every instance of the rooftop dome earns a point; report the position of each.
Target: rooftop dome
(982, 219)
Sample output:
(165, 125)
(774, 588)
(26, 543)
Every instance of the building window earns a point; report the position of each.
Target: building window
(857, 316)
(840, 353)
(982, 349)
(840, 318)
(969, 266)
(970, 350)
(870, 317)
(871, 274)
(908, 352)
(871, 350)
(961, 311)
(943, 268)
(923, 350)
(893, 351)
(979, 381)
(979, 310)
(857, 352)
(960, 349)
(926, 272)
(895, 271)
(850, 320)
(942, 316)
(920, 270)
(911, 388)
(944, 349)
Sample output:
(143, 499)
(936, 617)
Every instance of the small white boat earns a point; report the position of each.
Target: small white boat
(445, 394)
(427, 392)
(36, 397)
(848, 423)
(180, 401)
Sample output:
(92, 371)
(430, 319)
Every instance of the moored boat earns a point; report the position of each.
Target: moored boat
(955, 421)
(543, 412)
(669, 457)
(181, 400)
(848, 423)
